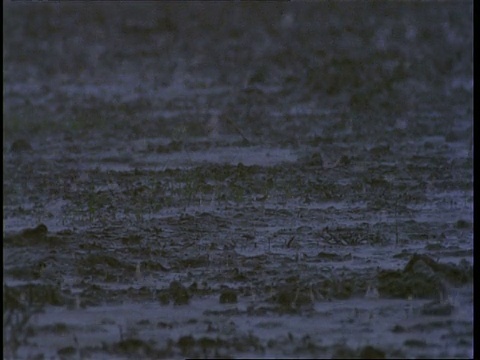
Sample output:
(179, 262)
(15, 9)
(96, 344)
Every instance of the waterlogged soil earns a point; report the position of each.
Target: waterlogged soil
(238, 180)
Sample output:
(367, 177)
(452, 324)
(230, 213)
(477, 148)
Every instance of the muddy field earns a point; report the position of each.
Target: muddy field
(238, 180)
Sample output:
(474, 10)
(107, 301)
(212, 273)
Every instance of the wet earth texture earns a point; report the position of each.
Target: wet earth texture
(238, 180)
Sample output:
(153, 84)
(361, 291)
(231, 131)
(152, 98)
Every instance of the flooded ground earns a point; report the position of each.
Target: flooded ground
(238, 180)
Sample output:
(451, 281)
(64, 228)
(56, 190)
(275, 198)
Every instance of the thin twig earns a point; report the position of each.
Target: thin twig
(230, 122)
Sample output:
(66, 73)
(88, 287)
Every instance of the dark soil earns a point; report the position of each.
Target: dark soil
(238, 180)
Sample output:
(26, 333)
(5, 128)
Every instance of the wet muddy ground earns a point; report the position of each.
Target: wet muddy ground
(238, 180)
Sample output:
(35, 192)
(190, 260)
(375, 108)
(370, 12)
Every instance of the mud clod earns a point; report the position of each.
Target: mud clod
(370, 352)
(437, 308)
(178, 293)
(134, 347)
(186, 343)
(20, 145)
(228, 296)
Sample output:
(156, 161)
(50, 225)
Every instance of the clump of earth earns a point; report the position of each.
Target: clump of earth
(238, 180)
